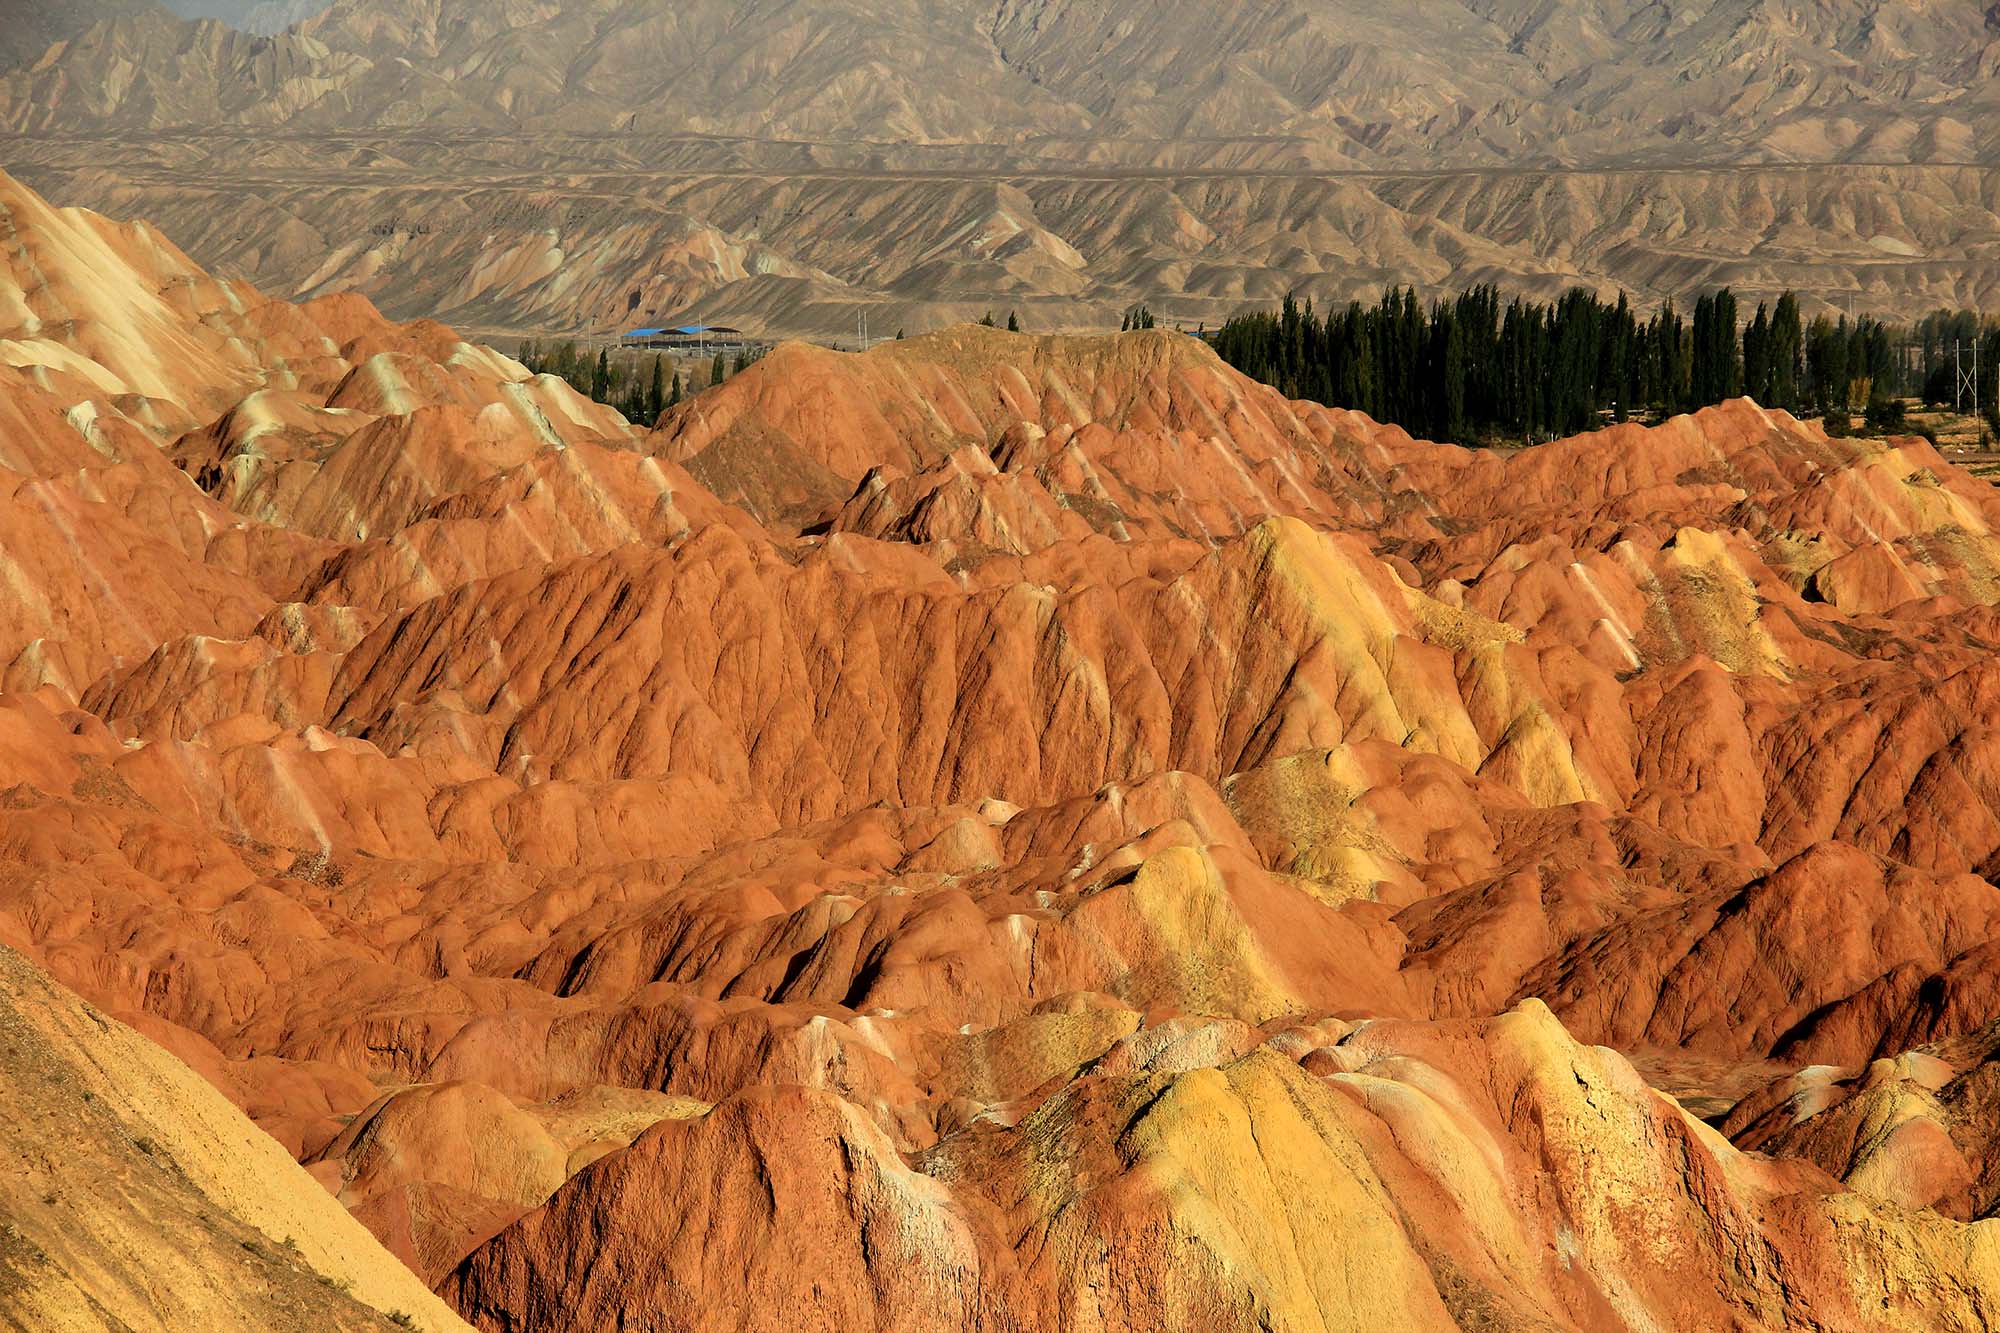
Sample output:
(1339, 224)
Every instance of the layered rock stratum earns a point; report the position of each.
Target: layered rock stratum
(994, 832)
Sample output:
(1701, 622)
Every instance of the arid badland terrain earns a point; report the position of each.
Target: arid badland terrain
(534, 167)
(997, 832)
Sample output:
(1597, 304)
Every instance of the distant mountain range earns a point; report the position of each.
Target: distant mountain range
(796, 165)
(1343, 83)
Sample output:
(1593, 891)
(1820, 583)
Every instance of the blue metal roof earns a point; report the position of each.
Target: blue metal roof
(686, 331)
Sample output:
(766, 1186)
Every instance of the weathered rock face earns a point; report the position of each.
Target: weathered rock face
(1001, 832)
(1410, 1174)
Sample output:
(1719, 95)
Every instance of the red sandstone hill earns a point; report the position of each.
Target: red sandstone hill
(990, 833)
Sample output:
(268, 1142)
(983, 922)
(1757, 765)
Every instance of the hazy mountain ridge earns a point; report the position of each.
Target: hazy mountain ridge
(33, 26)
(565, 233)
(535, 166)
(1478, 82)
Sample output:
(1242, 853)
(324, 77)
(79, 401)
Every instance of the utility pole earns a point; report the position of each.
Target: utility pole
(1965, 383)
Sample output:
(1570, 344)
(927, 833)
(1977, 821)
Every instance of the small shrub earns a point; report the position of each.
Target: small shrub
(1887, 416)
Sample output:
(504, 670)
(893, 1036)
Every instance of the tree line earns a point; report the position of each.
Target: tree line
(1476, 368)
(1947, 340)
(642, 394)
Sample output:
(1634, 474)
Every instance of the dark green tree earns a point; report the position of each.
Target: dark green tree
(1614, 366)
(1788, 343)
(1826, 364)
(1445, 368)
(1713, 372)
(1989, 376)
(1757, 356)
(1573, 392)
(1670, 348)
(1474, 368)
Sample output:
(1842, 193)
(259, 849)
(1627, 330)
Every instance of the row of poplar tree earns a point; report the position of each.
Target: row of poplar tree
(641, 394)
(1475, 368)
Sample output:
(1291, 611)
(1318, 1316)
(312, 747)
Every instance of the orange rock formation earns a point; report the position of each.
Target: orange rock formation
(1001, 832)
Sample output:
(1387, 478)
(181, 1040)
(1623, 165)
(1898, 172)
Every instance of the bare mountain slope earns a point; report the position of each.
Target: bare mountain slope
(567, 233)
(134, 1198)
(531, 167)
(1361, 82)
